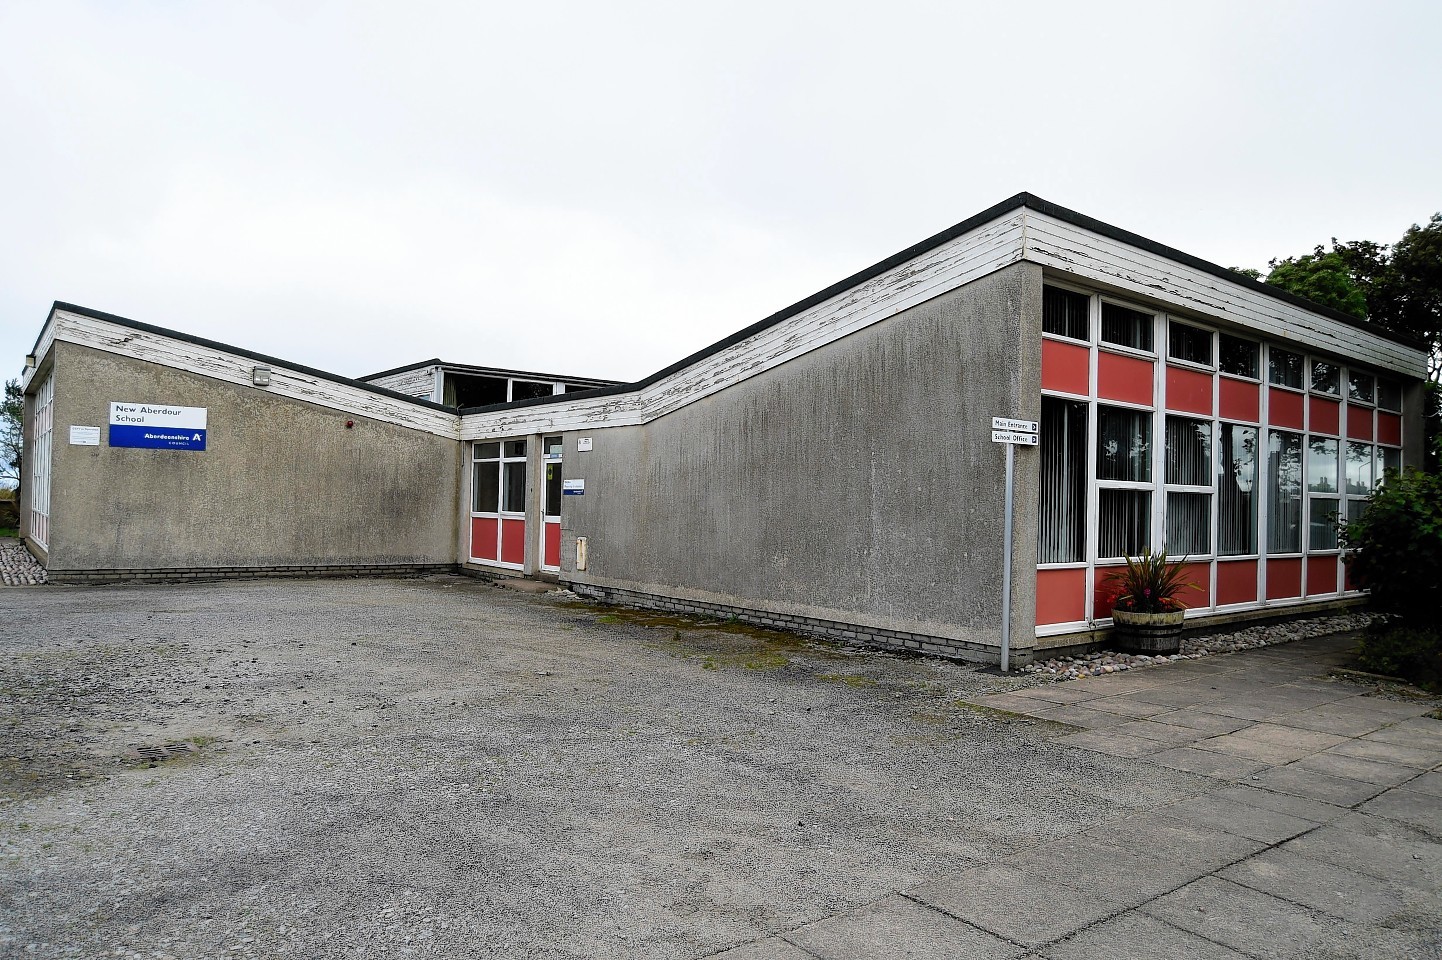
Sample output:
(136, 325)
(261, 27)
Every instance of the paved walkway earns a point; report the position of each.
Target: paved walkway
(1320, 834)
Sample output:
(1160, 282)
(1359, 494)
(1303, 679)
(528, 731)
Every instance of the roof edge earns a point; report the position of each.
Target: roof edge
(240, 352)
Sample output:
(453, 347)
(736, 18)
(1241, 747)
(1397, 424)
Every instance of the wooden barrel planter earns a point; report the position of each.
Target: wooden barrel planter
(1151, 633)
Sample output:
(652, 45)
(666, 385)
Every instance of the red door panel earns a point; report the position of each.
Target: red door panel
(552, 553)
(513, 541)
(483, 538)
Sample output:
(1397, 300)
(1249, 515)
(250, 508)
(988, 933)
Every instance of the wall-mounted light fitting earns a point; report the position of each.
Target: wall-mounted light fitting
(260, 376)
(29, 361)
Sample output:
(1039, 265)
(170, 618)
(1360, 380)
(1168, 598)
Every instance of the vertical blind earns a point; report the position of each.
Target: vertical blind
(1060, 531)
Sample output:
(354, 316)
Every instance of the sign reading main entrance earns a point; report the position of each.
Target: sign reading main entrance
(157, 426)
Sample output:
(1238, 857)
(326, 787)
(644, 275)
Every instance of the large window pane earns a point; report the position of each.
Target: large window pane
(553, 489)
(1391, 459)
(488, 451)
(1389, 395)
(1284, 493)
(1062, 446)
(1322, 512)
(1124, 522)
(1189, 343)
(1064, 313)
(515, 487)
(1236, 491)
(1321, 465)
(1359, 387)
(1326, 377)
(1189, 524)
(1237, 356)
(1359, 468)
(1124, 444)
(1126, 327)
(485, 487)
(1189, 451)
(1284, 368)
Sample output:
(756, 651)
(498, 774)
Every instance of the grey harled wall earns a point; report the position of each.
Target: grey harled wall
(856, 483)
(283, 483)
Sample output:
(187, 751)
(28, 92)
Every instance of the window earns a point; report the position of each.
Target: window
(1237, 357)
(1062, 445)
(1124, 445)
(1391, 459)
(1359, 469)
(1064, 313)
(486, 478)
(1322, 493)
(1284, 368)
(1236, 496)
(1189, 344)
(1389, 395)
(552, 449)
(514, 477)
(1124, 456)
(1359, 387)
(1284, 492)
(1126, 327)
(1189, 464)
(1326, 377)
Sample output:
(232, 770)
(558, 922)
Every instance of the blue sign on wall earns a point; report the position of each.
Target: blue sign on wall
(157, 426)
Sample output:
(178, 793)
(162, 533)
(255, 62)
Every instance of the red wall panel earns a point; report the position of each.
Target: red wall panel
(1284, 408)
(513, 541)
(1284, 579)
(1321, 575)
(1065, 367)
(1389, 428)
(1236, 581)
(1104, 593)
(1359, 423)
(1239, 400)
(552, 552)
(1326, 415)
(483, 538)
(1189, 391)
(1124, 378)
(1061, 596)
(1200, 576)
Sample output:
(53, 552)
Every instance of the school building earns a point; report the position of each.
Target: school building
(831, 468)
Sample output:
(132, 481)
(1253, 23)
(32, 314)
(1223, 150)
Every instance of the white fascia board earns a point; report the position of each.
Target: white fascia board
(233, 368)
(968, 257)
(1086, 255)
(42, 347)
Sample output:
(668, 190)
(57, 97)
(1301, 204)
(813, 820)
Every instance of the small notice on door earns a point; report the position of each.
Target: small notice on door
(573, 488)
(85, 436)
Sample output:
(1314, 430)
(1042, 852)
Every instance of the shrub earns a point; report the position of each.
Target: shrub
(1149, 583)
(1395, 552)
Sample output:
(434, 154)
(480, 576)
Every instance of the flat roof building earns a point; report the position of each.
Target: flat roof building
(829, 469)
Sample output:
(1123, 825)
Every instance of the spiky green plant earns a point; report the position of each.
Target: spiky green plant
(1149, 583)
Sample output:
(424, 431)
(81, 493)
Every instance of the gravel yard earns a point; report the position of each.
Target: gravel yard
(442, 768)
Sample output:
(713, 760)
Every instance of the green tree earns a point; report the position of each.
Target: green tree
(1321, 277)
(12, 435)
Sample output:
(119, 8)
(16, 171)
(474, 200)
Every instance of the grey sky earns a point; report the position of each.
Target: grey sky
(602, 188)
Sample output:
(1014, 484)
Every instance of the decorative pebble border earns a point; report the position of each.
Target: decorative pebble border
(1194, 648)
(18, 568)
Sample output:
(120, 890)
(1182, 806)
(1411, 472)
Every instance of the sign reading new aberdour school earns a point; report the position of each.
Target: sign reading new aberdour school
(157, 426)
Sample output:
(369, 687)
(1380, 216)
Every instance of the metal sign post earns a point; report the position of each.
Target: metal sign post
(1010, 432)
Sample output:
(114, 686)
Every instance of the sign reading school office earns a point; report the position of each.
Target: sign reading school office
(157, 426)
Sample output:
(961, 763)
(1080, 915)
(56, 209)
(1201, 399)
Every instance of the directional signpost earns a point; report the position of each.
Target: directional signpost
(1010, 432)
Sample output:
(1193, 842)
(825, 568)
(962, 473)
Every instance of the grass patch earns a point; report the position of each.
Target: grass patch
(850, 679)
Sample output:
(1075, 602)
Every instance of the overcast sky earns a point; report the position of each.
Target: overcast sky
(600, 189)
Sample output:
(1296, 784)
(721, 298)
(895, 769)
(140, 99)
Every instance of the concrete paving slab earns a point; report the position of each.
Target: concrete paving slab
(1354, 768)
(1249, 748)
(1402, 709)
(1255, 823)
(1123, 873)
(772, 948)
(1314, 810)
(1322, 886)
(1255, 923)
(1385, 752)
(1136, 936)
(1339, 718)
(1207, 763)
(1014, 703)
(1199, 847)
(1102, 741)
(1161, 732)
(1377, 847)
(1079, 715)
(1212, 724)
(1188, 693)
(1430, 782)
(1127, 706)
(1016, 906)
(1315, 785)
(1423, 733)
(1064, 692)
(898, 927)
(1415, 807)
(1310, 740)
